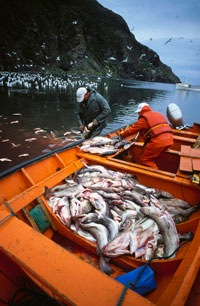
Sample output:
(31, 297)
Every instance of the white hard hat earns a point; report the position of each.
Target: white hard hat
(140, 107)
(80, 94)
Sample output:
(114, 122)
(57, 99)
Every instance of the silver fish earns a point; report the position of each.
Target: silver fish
(83, 233)
(90, 217)
(111, 225)
(174, 202)
(166, 226)
(136, 196)
(104, 267)
(97, 201)
(98, 140)
(180, 211)
(128, 213)
(111, 196)
(70, 191)
(65, 215)
(124, 243)
(100, 233)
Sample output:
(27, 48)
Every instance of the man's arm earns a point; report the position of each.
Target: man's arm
(134, 128)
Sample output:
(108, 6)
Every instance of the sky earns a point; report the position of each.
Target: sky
(169, 27)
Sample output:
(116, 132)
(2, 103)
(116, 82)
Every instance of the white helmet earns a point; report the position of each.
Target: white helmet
(80, 94)
(140, 107)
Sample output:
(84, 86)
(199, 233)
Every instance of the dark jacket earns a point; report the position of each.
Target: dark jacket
(97, 108)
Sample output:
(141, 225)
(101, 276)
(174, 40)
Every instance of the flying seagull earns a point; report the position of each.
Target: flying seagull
(168, 41)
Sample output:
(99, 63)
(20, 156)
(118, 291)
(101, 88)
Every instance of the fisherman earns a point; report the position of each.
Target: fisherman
(93, 110)
(155, 130)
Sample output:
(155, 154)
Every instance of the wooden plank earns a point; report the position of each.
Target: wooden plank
(30, 219)
(196, 164)
(141, 167)
(184, 276)
(195, 159)
(185, 161)
(51, 221)
(31, 193)
(197, 143)
(59, 272)
(192, 155)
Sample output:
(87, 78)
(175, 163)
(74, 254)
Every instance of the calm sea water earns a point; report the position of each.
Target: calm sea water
(24, 110)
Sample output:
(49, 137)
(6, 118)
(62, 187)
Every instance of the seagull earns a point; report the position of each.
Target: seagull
(168, 41)
(17, 121)
(5, 140)
(25, 154)
(5, 159)
(15, 145)
(40, 131)
(30, 139)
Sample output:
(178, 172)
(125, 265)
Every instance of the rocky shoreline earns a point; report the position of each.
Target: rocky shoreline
(79, 38)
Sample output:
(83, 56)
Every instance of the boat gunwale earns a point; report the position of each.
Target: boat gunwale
(30, 195)
(87, 158)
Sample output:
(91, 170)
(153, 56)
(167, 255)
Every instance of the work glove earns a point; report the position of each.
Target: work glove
(92, 124)
(85, 133)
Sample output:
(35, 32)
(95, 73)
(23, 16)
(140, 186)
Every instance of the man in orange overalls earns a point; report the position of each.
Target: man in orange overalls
(156, 132)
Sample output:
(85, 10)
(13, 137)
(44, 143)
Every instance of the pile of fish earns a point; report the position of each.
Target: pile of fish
(104, 146)
(119, 214)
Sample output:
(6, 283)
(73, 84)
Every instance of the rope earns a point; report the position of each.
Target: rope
(29, 294)
(9, 216)
(144, 267)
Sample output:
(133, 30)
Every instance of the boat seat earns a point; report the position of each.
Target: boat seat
(189, 159)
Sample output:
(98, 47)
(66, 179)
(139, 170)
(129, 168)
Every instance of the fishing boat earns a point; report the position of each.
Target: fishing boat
(186, 86)
(66, 265)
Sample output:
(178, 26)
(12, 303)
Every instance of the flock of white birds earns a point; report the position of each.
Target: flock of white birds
(39, 81)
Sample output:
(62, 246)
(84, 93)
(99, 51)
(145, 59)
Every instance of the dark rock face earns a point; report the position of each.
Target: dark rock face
(78, 37)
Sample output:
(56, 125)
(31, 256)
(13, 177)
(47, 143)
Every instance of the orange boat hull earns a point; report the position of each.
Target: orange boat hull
(62, 274)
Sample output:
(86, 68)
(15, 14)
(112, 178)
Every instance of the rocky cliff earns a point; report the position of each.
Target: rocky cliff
(78, 37)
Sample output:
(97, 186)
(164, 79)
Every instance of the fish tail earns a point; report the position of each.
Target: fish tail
(47, 192)
(104, 266)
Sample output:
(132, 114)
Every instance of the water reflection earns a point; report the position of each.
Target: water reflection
(53, 110)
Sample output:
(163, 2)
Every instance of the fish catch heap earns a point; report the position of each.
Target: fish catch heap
(103, 146)
(119, 214)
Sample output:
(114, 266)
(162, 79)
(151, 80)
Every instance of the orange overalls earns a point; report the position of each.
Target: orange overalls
(156, 132)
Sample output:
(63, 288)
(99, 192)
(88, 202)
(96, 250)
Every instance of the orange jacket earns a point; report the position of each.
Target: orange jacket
(151, 124)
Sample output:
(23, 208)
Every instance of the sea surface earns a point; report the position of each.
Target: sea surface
(37, 118)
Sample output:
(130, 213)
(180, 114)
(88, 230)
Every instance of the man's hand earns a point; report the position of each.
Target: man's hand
(90, 125)
(81, 128)
(120, 135)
